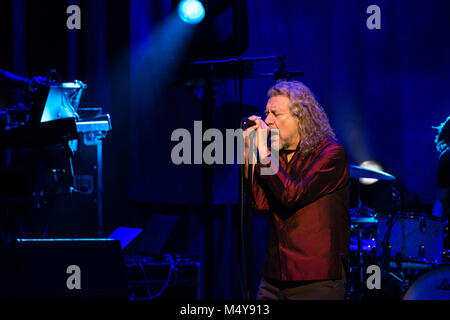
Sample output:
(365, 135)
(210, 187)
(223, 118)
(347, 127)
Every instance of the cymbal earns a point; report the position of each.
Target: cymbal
(360, 172)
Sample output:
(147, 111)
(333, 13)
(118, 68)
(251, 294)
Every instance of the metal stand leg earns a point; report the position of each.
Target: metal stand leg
(100, 188)
(360, 256)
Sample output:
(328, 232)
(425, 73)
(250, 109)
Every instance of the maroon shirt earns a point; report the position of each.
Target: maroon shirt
(308, 200)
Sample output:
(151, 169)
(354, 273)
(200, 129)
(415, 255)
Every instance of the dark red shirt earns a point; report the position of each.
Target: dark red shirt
(309, 232)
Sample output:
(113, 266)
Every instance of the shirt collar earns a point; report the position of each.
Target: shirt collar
(290, 150)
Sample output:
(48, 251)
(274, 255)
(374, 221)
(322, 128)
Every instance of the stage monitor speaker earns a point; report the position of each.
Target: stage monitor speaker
(65, 269)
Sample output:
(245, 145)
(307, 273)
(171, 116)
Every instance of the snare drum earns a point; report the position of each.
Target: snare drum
(415, 240)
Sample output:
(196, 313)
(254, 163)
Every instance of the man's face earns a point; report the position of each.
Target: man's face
(278, 116)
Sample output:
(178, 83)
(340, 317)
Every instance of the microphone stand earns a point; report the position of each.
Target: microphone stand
(245, 237)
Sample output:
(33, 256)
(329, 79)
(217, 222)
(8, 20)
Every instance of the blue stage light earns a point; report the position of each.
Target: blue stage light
(191, 11)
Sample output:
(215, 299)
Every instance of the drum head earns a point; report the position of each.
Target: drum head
(432, 285)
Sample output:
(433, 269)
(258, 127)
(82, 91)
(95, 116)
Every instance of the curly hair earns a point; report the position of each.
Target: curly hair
(442, 139)
(313, 124)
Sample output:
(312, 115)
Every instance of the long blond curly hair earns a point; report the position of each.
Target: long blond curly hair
(313, 124)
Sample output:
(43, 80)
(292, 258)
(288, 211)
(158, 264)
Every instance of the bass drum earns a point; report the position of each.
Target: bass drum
(432, 285)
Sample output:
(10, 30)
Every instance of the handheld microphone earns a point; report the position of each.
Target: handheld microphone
(247, 123)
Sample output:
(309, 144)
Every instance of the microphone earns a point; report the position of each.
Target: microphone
(247, 123)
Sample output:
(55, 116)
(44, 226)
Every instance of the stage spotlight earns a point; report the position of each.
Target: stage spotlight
(373, 165)
(191, 11)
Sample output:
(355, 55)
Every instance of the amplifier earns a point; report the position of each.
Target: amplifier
(163, 278)
(64, 269)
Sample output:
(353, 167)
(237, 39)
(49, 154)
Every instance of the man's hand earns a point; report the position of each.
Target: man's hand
(259, 132)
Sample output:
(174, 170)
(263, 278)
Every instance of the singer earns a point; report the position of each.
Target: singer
(307, 199)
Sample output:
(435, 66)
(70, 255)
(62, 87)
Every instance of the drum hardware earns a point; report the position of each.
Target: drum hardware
(409, 248)
(360, 260)
(403, 282)
(386, 246)
(399, 275)
(401, 262)
(446, 255)
(396, 200)
(358, 172)
(418, 237)
(398, 262)
(422, 251)
(360, 219)
(423, 225)
(401, 271)
(414, 247)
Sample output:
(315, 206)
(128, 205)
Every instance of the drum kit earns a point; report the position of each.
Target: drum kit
(407, 247)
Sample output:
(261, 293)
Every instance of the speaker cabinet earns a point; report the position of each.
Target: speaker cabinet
(65, 269)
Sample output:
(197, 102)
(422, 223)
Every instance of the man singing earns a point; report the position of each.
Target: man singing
(307, 198)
